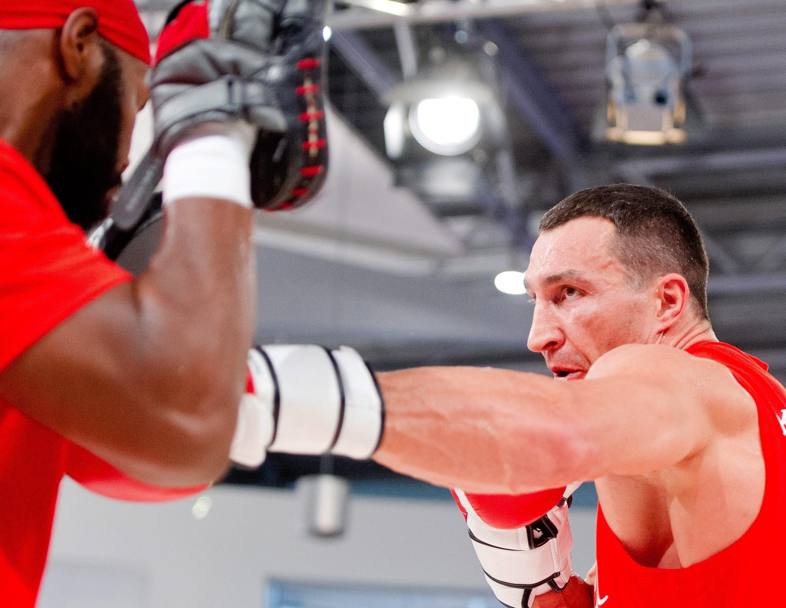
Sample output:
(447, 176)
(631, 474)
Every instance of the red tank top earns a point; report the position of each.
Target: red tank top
(744, 573)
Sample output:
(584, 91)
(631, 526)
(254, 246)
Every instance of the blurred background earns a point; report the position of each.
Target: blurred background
(453, 126)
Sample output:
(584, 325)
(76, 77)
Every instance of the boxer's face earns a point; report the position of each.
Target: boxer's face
(585, 302)
(93, 138)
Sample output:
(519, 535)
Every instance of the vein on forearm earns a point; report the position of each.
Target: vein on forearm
(484, 430)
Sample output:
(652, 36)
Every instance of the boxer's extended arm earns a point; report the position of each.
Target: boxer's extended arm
(641, 408)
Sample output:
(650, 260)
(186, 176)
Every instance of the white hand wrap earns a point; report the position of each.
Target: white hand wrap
(308, 400)
(523, 563)
(212, 162)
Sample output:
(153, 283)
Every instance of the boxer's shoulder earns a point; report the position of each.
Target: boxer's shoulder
(640, 359)
(667, 365)
(698, 385)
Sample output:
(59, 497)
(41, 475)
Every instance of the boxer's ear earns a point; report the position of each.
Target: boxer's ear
(79, 45)
(673, 298)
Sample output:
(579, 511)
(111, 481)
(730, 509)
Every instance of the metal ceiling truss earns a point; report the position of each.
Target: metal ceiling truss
(501, 203)
(531, 95)
(528, 93)
(446, 11)
(742, 272)
(362, 59)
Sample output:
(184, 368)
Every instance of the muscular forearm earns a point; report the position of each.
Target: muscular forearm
(485, 430)
(195, 320)
(196, 302)
(148, 376)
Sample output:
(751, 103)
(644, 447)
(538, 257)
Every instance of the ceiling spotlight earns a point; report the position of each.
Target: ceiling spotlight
(510, 282)
(445, 110)
(394, 127)
(646, 69)
(447, 126)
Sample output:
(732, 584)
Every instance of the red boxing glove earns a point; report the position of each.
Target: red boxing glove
(523, 542)
(512, 511)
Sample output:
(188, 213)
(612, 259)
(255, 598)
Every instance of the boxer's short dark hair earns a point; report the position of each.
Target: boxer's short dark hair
(656, 233)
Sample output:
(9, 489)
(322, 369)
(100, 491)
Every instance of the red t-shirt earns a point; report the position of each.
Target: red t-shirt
(47, 273)
(746, 572)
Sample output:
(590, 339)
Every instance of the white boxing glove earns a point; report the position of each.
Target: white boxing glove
(520, 562)
(306, 399)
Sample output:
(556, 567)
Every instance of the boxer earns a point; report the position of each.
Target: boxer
(682, 434)
(674, 426)
(105, 377)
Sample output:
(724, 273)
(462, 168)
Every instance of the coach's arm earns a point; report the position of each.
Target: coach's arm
(148, 376)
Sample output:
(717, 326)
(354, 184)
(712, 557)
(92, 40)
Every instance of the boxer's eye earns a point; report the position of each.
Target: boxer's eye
(566, 293)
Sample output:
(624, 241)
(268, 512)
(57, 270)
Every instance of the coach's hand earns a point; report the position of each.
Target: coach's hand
(251, 61)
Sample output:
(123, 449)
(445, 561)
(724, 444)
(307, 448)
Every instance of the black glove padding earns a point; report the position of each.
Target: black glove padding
(259, 61)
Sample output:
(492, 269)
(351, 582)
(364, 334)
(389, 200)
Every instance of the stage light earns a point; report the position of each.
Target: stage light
(395, 129)
(646, 69)
(445, 110)
(510, 282)
(447, 126)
